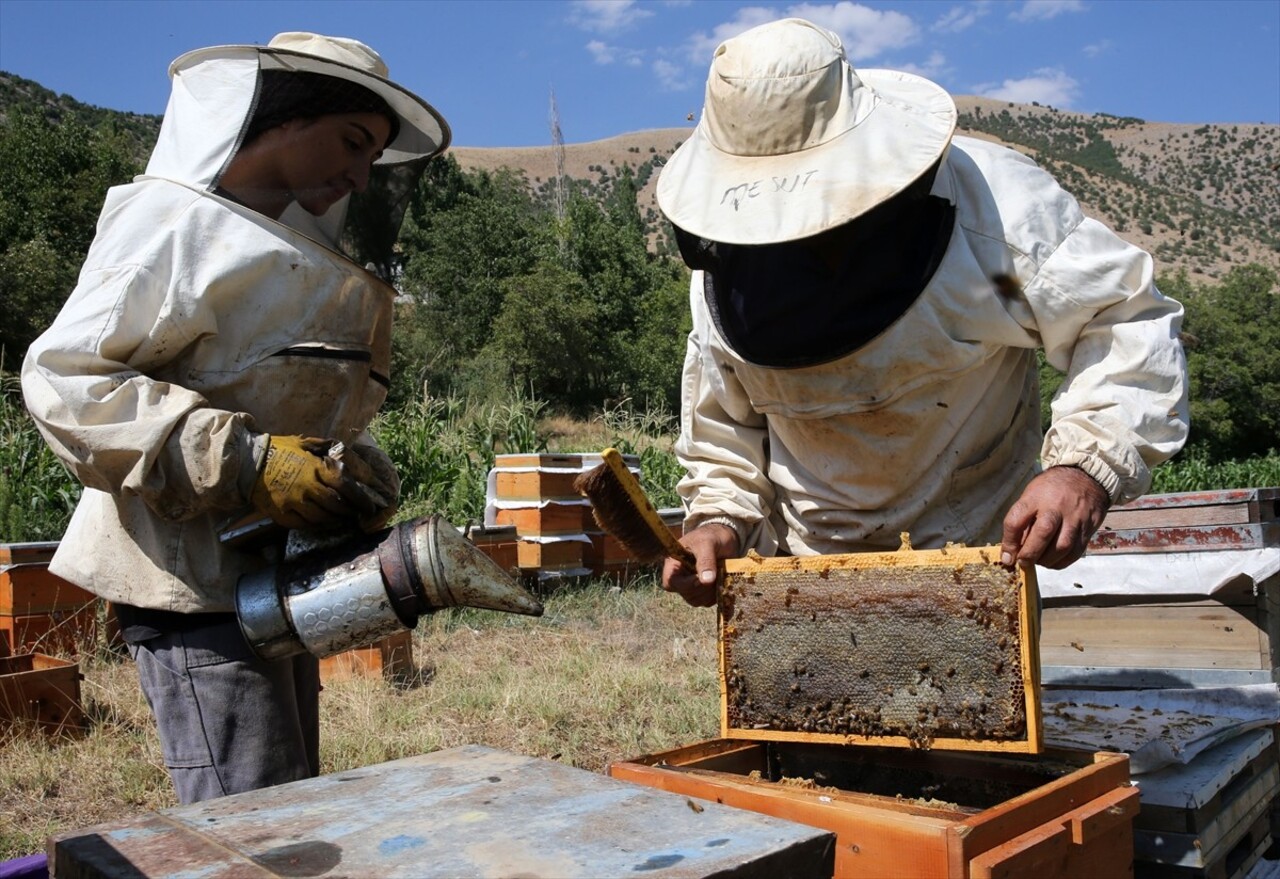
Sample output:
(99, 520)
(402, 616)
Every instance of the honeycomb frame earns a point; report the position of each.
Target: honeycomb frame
(920, 649)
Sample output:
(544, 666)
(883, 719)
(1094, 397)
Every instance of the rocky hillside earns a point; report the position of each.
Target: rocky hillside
(1200, 197)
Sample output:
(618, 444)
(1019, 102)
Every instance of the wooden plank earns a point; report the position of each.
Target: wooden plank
(1228, 507)
(40, 689)
(1193, 635)
(1190, 538)
(26, 553)
(468, 811)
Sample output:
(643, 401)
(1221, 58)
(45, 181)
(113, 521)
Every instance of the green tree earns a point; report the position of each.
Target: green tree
(1232, 334)
(55, 179)
(463, 243)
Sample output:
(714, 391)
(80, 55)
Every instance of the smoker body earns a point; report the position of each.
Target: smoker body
(335, 597)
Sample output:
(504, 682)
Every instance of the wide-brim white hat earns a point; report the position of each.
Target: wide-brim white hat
(423, 131)
(793, 141)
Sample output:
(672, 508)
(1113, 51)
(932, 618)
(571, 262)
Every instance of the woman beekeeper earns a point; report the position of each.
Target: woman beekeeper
(221, 339)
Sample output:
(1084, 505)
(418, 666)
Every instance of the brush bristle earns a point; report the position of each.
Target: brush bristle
(615, 513)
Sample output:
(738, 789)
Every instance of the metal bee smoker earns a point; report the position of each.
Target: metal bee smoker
(326, 597)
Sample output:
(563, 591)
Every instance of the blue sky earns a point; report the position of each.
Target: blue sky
(490, 66)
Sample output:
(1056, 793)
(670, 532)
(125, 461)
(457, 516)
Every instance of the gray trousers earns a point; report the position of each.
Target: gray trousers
(228, 721)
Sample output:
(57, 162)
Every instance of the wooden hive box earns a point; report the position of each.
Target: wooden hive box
(39, 611)
(1211, 817)
(390, 659)
(553, 554)
(909, 813)
(550, 519)
(498, 542)
(928, 649)
(1242, 518)
(40, 689)
(1140, 613)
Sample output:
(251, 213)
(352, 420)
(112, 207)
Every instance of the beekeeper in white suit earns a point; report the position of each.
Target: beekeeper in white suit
(868, 296)
(219, 342)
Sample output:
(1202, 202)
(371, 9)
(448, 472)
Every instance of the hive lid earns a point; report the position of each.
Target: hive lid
(925, 649)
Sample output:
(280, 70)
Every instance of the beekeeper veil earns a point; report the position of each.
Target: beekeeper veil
(224, 96)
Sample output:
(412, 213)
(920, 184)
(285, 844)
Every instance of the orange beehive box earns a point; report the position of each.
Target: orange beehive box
(29, 588)
(552, 554)
(605, 551)
(909, 813)
(548, 519)
(391, 658)
(536, 477)
(40, 688)
(498, 542)
(60, 632)
(544, 477)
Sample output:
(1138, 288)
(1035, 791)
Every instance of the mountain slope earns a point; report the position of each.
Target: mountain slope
(1201, 198)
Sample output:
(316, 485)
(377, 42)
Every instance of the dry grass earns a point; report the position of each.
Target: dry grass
(607, 673)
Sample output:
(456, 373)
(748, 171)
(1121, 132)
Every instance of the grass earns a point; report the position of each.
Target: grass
(606, 673)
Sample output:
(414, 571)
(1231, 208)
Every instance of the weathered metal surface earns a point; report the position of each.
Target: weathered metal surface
(470, 811)
(926, 647)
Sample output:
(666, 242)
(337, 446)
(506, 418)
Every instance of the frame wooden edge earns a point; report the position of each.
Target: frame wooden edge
(1029, 609)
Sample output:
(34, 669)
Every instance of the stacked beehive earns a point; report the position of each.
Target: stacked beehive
(1182, 591)
(556, 534)
(40, 614)
(38, 610)
(534, 494)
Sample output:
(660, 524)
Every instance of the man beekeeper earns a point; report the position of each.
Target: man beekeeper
(868, 297)
(219, 342)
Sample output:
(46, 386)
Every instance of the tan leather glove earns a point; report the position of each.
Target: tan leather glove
(300, 486)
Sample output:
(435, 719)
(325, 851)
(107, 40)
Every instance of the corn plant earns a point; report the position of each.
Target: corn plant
(37, 492)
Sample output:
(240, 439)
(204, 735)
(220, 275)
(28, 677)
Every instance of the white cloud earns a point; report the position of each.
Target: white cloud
(1044, 86)
(955, 20)
(606, 16)
(933, 68)
(701, 46)
(1093, 50)
(603, 53)
(671, 77)
(1042, 10)
(866, 32)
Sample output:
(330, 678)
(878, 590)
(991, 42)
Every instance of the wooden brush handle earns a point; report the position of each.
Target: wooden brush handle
(644, 507)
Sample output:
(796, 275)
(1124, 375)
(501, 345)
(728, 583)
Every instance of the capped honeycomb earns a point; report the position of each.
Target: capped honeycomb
(922, 646)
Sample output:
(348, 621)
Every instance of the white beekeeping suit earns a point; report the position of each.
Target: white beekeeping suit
(198, 327)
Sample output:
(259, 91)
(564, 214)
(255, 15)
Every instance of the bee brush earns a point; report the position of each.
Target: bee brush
(620, 507)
